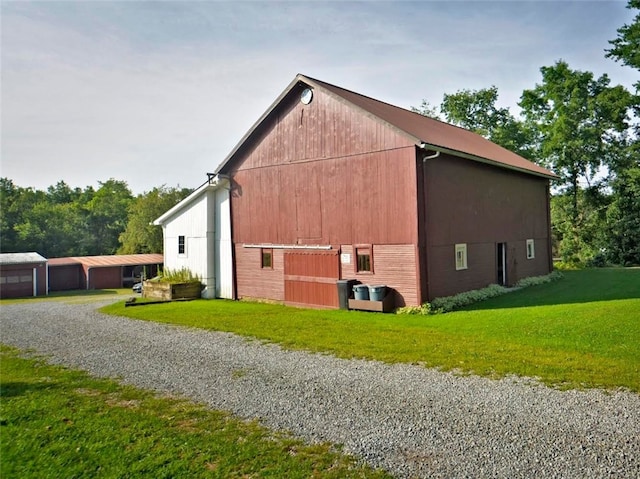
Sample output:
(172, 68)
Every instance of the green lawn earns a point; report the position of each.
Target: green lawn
(581, 331)
(57, 423)
(76, 296)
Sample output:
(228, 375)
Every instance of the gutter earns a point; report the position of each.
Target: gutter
(480, 159)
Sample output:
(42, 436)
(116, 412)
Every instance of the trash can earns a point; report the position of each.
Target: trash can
(344, 291)
(361, 292)
(377, 292)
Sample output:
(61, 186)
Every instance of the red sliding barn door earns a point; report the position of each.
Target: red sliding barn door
(310, 278)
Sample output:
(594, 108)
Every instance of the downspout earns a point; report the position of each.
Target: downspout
(47, 278)
(88, 271)
(423, 234)
(425, 147)
(210, 280)
(35, 282)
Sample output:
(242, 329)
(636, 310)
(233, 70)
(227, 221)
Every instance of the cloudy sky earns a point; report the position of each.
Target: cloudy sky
(157, 93)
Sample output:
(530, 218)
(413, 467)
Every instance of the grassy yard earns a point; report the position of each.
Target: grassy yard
(582, 331)
(76, 296)
(56, 423)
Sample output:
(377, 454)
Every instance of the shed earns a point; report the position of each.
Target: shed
(101, 272)
(22, 275)
(329, 184)
(197, 236)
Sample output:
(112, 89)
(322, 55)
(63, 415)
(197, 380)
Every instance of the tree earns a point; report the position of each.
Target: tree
(9, 215)
(107, 213)
(626, 48)
(140, 235)
(476, 110)
(623, 219)
(427, 109)
(581, 123)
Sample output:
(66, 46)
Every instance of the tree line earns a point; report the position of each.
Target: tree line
(586, 131)
(576, 124)
(64, 221)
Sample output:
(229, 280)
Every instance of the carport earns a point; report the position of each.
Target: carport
(101, 272)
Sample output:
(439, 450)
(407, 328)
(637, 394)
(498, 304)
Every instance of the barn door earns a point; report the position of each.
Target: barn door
(501, 255)
(310, 278)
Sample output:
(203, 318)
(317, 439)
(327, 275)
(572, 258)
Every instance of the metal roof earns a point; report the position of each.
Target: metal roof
(426, 132)
(111, 260)
(21, 258)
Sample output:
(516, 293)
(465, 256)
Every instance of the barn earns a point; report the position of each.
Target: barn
(197, 237)
(101, 272)
(332, 185)
(22, 275)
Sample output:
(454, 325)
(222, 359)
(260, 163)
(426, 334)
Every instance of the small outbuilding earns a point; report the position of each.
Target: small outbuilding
(22, 275)
(101, 272)
(197, 237)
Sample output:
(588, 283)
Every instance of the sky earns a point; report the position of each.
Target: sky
(159, 92)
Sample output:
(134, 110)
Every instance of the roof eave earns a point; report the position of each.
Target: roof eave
(161, 220)
(480, 159)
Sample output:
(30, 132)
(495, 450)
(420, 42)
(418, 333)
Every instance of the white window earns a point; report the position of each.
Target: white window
(531, 250)
(181, 245)
(461, 256)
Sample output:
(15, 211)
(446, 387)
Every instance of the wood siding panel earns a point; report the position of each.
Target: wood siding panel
(326, 128)
(481, 272)
(394, 266)
(480, 205)
(320, 264)
(368, 198)
(253, 281)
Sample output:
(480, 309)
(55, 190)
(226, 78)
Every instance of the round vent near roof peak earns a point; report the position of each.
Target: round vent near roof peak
(306, 96)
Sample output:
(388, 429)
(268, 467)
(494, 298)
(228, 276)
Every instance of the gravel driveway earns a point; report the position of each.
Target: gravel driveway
(412, 421)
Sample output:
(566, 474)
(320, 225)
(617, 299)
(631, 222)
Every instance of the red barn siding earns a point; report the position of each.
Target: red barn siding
(472, 203)
(326, 128)
(393, 266)
(253, 281)
(364, 198)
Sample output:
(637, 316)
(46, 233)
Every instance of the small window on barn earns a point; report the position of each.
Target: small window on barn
(461, 256)
(181, 245)
(267, 258)
(531, 249)
(364, 259)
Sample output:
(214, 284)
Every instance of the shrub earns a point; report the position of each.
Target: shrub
(182, 275)
(460, 300)
(598, 261)
(536, 280)
(457, 301)
(423, 309)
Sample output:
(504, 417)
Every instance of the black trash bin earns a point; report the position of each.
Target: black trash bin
(344, 291)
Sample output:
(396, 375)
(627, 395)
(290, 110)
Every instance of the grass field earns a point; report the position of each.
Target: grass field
(57, 423)
(77, 296)
(581, 331)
